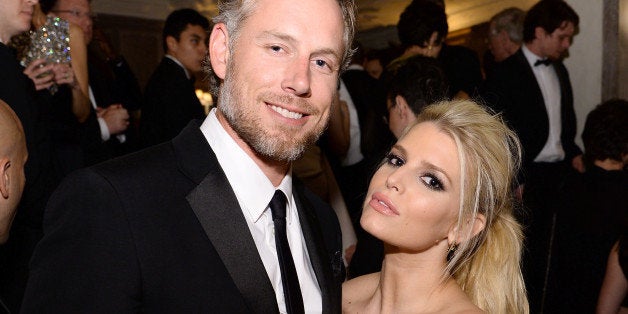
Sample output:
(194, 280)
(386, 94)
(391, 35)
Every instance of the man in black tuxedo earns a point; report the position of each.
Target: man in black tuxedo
(170, 98)
(18, 91)
(185, 226)
(533, 91)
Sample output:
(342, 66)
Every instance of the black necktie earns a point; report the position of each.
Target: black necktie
(290, 280)
(545, 62)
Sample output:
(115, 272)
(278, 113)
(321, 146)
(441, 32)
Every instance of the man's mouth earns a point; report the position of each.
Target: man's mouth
(287, 113)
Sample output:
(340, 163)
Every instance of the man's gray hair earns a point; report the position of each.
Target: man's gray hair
(511, 21)
(233, 12)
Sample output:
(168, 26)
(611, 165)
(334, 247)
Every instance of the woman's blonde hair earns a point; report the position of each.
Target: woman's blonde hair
(487, 265)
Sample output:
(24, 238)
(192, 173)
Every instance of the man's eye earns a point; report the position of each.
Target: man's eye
(320, 63)
(275, 48)
(432, 182)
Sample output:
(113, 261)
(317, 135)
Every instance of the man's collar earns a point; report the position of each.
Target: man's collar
(187, 74)
(530, 56)
(355, 66)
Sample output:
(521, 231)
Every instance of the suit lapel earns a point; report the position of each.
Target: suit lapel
(537, 103)
(319, 256)
(216, 207)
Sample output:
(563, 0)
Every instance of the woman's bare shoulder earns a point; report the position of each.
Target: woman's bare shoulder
(356, 292)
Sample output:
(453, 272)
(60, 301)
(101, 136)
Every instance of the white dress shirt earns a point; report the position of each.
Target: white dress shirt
(254, 192)
(354, 153)
(547, 79)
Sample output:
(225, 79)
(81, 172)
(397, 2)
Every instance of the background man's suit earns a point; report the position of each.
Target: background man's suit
(162, 229)
(369, 99)
(513, 89)
(18, 91)
(170, 103)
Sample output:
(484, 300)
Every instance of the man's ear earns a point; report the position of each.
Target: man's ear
(539, 32)
(219, 49)
(401, 107)
(432, 40)
(5, 165)
(172, 45)
(470, 228)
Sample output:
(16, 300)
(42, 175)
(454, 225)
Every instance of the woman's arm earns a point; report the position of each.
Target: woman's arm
(614, 287)
(78, 52)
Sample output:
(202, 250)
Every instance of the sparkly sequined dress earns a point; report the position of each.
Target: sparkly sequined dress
(51, 42)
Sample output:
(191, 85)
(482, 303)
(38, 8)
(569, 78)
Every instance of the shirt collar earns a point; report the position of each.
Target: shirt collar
(187, 74)
(251, 186)
(530, 56)
(355, 66)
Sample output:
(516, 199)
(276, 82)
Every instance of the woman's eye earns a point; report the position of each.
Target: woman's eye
(394, 160)
(432, 182)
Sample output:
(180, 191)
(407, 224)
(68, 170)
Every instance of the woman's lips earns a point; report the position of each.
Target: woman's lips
(382, 204)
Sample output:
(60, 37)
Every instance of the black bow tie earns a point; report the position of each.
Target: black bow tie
(545, 62)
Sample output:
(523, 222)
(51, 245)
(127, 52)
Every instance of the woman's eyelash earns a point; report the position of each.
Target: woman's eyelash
(432, 182)
(394, 160)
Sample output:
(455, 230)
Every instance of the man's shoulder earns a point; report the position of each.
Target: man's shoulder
(154, 164)
(168, 71)
(511, 69)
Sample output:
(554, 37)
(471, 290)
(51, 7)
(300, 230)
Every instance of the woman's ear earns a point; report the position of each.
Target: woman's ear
(219, 49)
(5, 180)
(470, 228)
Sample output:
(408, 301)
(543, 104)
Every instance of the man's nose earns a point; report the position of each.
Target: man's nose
(297, 78)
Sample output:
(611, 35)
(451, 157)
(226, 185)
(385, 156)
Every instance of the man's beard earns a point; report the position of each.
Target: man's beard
(243, 118)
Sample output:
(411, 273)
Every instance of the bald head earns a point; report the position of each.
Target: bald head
(12, 159)
(11, 131)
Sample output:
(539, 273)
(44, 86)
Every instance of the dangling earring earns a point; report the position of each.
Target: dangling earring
(451, 250)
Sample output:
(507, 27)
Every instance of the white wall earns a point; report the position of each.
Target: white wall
(585, 59)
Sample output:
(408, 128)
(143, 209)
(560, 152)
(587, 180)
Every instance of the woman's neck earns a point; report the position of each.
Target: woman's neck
(408, 281)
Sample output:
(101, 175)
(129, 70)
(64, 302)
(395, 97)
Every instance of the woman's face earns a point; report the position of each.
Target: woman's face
(413, 199)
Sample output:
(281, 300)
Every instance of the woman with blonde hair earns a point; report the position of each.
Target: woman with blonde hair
(442, 203)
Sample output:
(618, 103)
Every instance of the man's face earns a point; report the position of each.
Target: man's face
(374, 68)
(77, 12)
(497, 44)
(191, 47)
(15, 17)
(282, 75)
(554, 45)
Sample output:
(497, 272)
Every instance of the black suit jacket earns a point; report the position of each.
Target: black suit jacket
(161, 231)
(170, 103)
(462, 69)
(18, 91)
(512, 89)
(369, 99)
